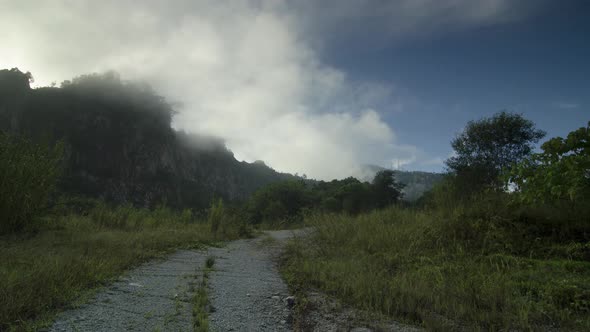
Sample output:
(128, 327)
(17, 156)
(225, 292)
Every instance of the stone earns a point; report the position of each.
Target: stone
(290, 300)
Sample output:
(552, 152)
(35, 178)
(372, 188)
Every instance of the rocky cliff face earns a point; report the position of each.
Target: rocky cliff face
(120, 146)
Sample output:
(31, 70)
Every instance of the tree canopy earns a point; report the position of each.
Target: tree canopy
(560, 172)
(489, 146)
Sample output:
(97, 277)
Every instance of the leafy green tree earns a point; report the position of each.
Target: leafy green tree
(386, 190)
(355, 196)
(279, 201)
(488, 147)
(560, 172)
(347, 195)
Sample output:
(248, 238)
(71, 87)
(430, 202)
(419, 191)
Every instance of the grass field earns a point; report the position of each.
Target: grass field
(446, 271)
(68, 256)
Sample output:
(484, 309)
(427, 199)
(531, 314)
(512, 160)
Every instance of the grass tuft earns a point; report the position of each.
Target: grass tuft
(201, 305)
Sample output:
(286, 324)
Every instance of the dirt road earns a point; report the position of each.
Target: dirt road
(245, 290)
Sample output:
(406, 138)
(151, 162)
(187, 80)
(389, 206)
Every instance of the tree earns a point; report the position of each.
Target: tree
(279, 201)
(386, 190)
(489, 146)
(560, 172)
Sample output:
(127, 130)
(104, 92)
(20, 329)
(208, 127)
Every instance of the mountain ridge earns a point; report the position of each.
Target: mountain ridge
(120, 146)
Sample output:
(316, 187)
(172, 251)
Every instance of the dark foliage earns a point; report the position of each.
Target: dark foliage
(288, 201)
(28, 174)
(489, 146)
(416, 183)
(119, 145)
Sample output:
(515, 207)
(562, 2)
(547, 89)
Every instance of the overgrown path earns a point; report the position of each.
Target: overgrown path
(245, 290)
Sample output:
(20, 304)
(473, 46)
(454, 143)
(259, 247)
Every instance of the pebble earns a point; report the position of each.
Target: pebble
(290, 301)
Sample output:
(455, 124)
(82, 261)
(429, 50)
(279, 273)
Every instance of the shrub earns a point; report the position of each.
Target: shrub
(28, 175)
(216, 215)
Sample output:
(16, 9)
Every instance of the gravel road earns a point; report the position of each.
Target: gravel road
(153, 297)
(245, 290)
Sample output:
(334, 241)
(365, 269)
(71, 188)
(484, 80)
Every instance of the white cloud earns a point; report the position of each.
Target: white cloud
(244, 70)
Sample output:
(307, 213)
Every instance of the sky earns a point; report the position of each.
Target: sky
(323, 87)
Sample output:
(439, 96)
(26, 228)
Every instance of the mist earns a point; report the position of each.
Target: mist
(249, 72)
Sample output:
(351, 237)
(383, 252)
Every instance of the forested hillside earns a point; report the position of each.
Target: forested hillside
(119, 144)
(416, 182)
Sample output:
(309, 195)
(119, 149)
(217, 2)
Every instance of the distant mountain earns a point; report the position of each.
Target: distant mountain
(120, 145)
(416, 182)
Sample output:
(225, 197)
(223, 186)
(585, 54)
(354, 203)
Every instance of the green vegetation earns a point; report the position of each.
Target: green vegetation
(560, 173)
(416, 183)
(284, 204)
(148, 164)
(478, 259)
(281, 203)
(486, 272)
(200, 300)
(487, 147)
(29, 174)
(501, 242)
(72, 220)
(45, 271)
(55, 249)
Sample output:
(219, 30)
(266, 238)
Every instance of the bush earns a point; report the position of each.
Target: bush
(216, 215)
(227, 221)
(278, 202)
(28, 175)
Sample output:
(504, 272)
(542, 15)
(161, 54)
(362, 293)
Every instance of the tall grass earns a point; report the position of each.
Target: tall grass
(477, 270)
(46, 271)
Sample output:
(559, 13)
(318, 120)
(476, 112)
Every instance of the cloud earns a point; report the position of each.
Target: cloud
(379, 22)
(245, 70)
(565, 105)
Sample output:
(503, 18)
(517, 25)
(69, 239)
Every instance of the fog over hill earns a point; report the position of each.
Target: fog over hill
(120, 146)
(417, 182)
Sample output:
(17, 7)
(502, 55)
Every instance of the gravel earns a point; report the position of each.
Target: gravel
(245, 290)
(153, 297)
(327, 314)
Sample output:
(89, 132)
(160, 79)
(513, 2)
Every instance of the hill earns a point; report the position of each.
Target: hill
(417, 182)
(120, 146)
